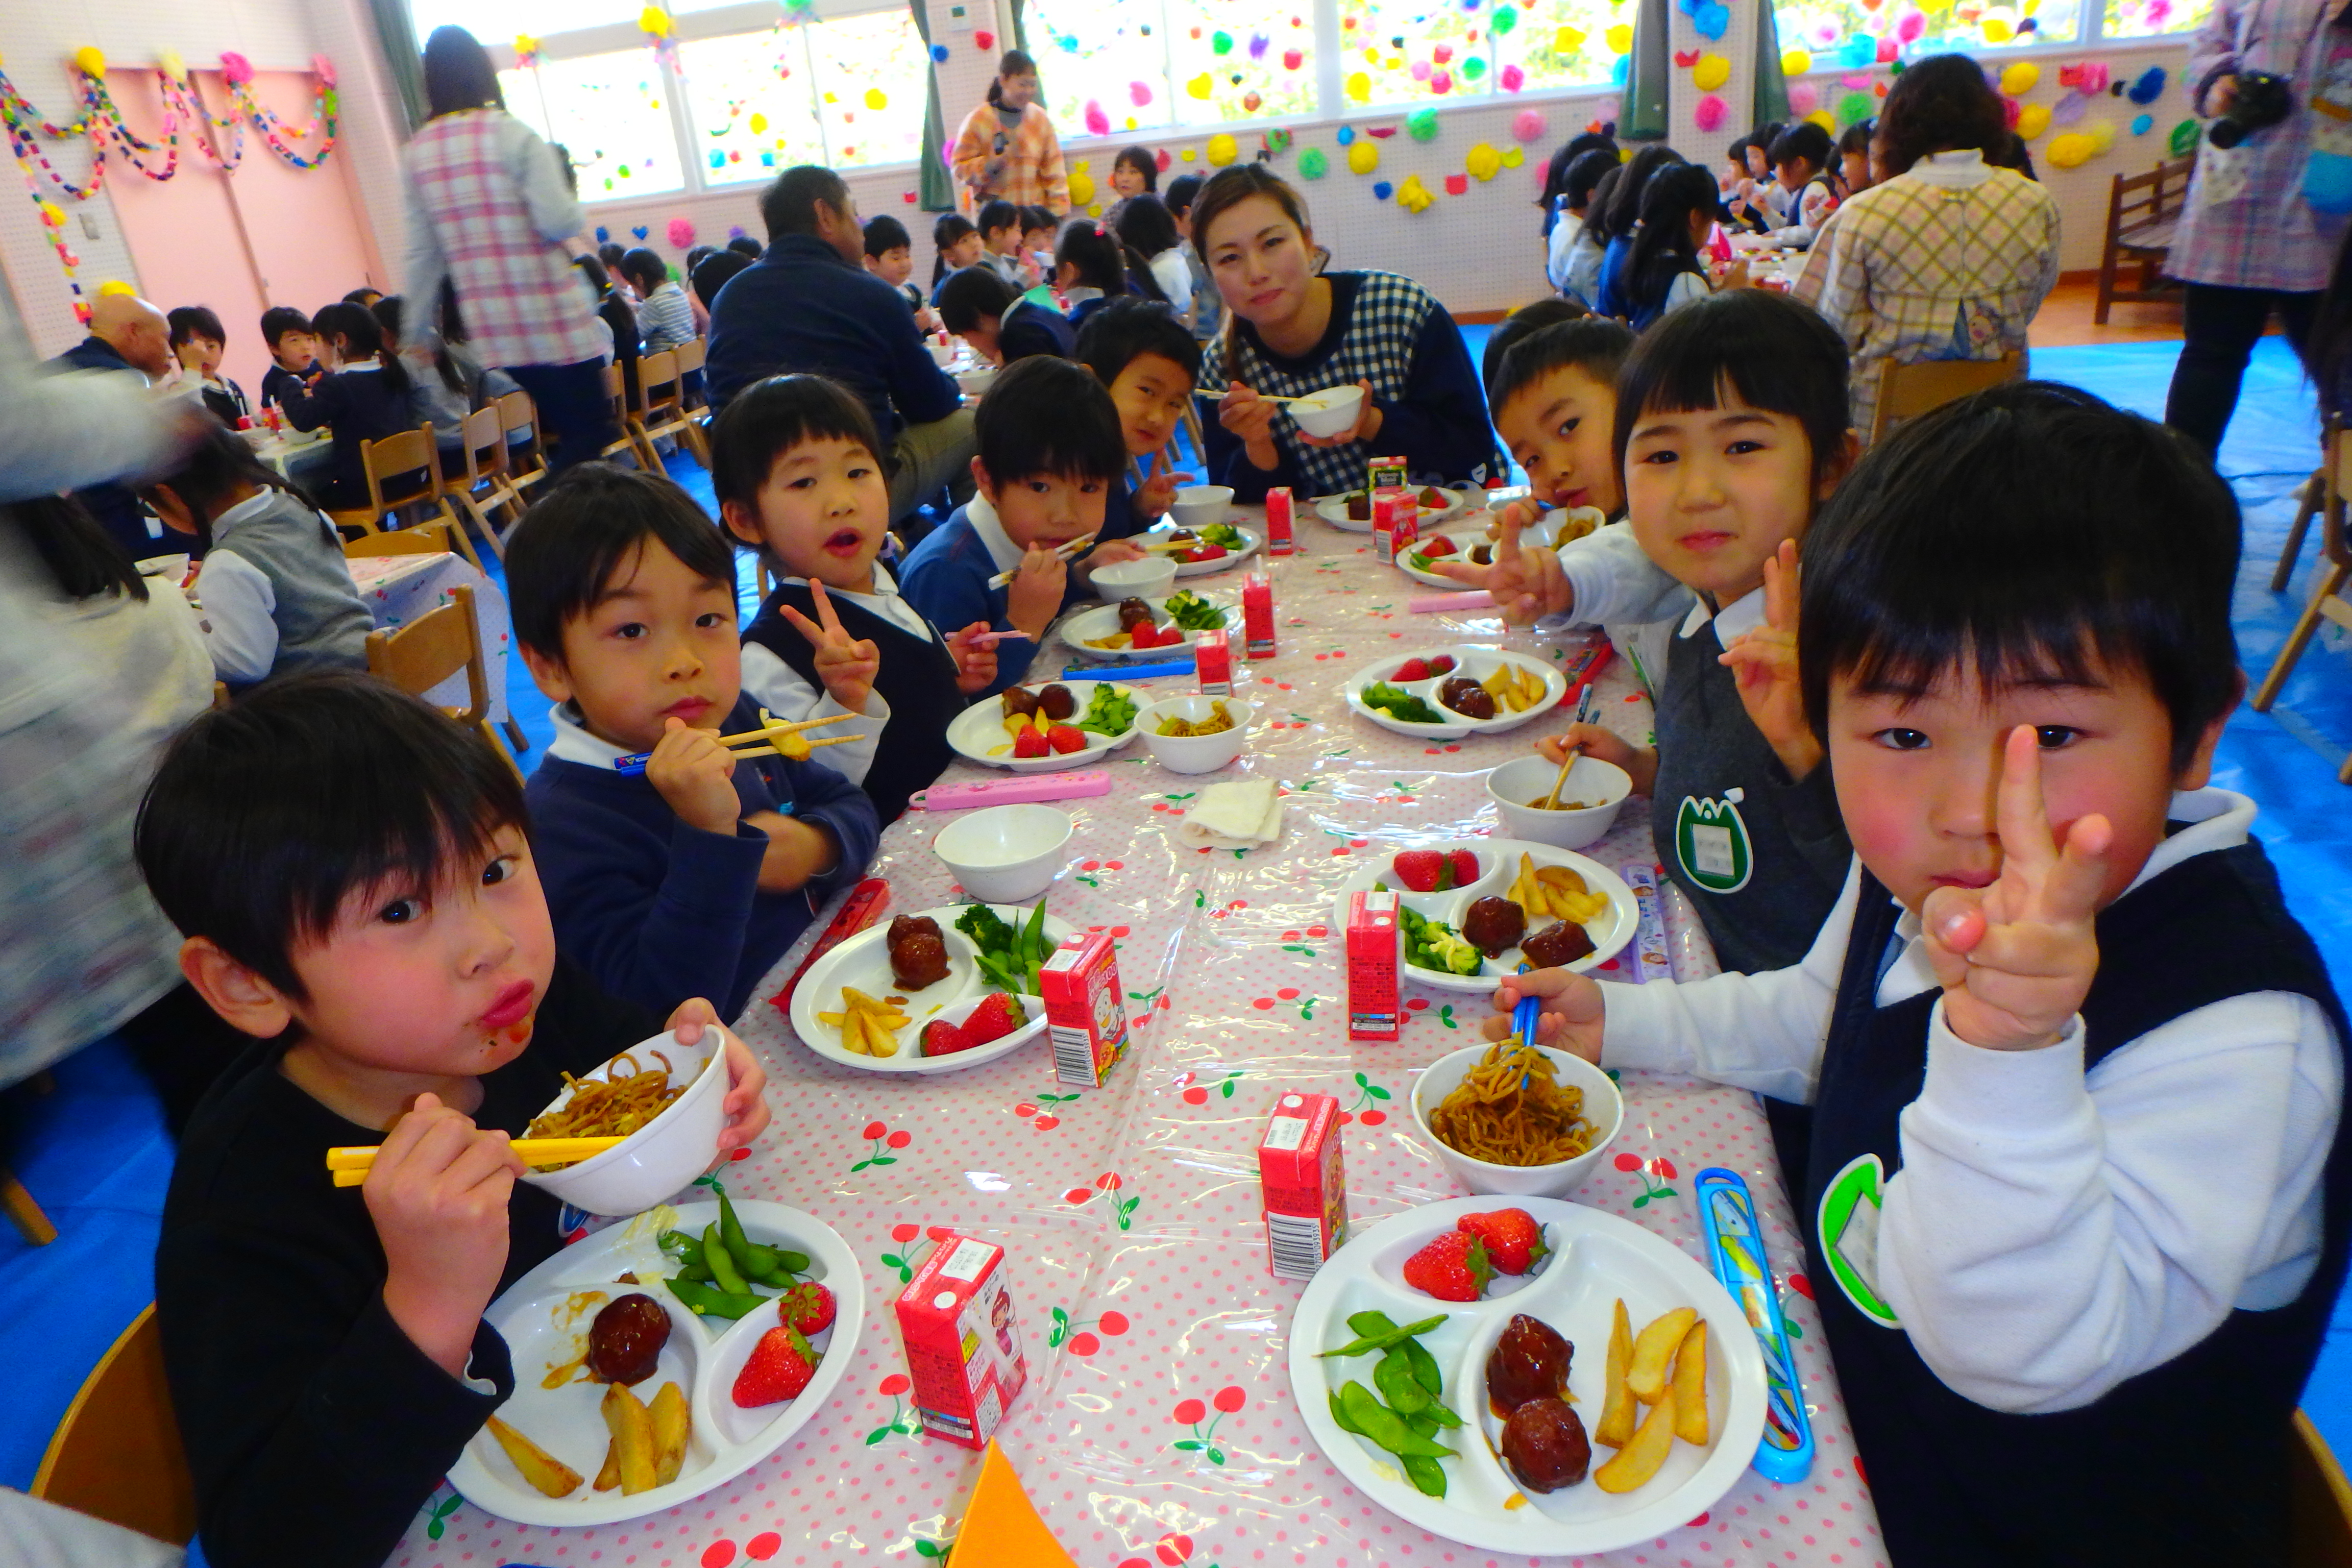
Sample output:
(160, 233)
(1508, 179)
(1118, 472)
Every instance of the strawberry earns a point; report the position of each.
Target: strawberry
(1419, 869)
(1029, 743)
(1514, 1242)
(1143, 637)
(1067, 738)
(1202, 551)
(1464, 867)
(782, 1364)
(1442, 665)
(1411, 669)
(807, 1307)
(941, 1038)
(1452, 1268)
(1440, 546)
(997, 1016)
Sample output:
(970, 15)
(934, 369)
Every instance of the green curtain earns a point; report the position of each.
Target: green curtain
(1642, 110)
(1021, 27)
(395, 35)
(1770, 90)
(937, 191)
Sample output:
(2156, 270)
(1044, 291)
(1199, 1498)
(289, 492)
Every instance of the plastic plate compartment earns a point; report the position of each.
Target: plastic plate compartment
(1597, 1259)
(980, 729)
(1253, 540)
(702, 1358)
(1333, 509)
(863, 962)
(1498, 867)
(1476, 661)
(1104, 623)
(1546, 532)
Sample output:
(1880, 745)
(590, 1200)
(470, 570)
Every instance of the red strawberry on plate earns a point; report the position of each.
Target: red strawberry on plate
(1514, 1242)
(1411, 669)
(1067, 738)
(782, 1364)
(997, 1016)
(1462, 866)
(1419, 869)
(807, 1307)
(1439, 546)
(1452, 1268)
(1143, 637)
(1442, 665)
(1204, 552)
(1029, 743)
(941, 1038)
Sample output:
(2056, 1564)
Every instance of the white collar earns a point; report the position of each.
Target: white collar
(1956, 170)
(1081, 294)
(1732, 622)
(985, 522)
(365, 364)
(884, 586)
(574, 743)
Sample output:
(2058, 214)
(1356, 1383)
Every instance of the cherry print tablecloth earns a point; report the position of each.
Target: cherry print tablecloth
(397, 589)
(1158, 1426)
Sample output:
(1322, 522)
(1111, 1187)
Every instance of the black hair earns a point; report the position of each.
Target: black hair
(211, 471)
(1145, 224)
(608, 256)
(279, 320)
(715, 270)
(698, 256)
(264, 818)
(1663, 250)
(769, 418)
(1140, 159)
(743, 245)
(996, 214)
(389, 313)
(1632, 179)
(2013, 155)
(593, 523)
(1565, 158)
(459, 74)
(1855, 138)
(1738, 152)
(1013, 62)
(1596, 345)
(83, 559)
(1114, 335)
(1764, 135)
(970, 293)
(1804, 139)
(1940, 104)
(357, 326)
(644, 270)
(1762, 347)
(886, 234)
(1035, 218)
(789, 207)
(2026, 532)
(1046, 416)
(1584, 176)
(1532, 317)
(1596, 228)
(363, 295)
(951, 229)
(1180, 194)
(592, 269)
(192, 322)
(1104, 260)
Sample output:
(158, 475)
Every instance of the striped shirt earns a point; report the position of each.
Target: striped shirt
(665, 318)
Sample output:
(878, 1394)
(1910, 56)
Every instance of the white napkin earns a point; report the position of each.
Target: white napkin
(1232, 816)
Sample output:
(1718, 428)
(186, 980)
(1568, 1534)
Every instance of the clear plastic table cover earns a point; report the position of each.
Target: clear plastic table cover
(1157, 1426)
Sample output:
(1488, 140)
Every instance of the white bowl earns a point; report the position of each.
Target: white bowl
(170, 568)
(1197, 507)
(1328, 412)
(666, 1153)
(1149, 578)
(1195, 754)
(977, 380)
(1515, 783)
(1603, 1107)
(1006, 853)
(942, 354)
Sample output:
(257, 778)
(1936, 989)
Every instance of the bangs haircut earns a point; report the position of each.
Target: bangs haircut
(592, 524)
(770, 418)
(1114, 336)
(2025, 535)
(1517, 328)
(267, 818)
(995, 215)
(971, 293)
(1764, 348)
(279, 320)
(1049, 418)
(1595, 345)
(192, 322)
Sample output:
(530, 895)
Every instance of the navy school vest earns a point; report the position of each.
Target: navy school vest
(2185, 1463)
(918, 680)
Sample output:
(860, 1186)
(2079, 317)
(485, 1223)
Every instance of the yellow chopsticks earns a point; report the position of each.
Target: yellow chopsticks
(351, 1166)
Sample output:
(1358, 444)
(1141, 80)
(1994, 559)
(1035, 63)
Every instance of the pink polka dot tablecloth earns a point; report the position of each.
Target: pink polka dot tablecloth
(1129, 1213)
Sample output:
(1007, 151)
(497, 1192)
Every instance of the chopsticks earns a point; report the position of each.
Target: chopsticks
(1583, 715)
(351, 1166)
(990, 640)
(1061, 553)
(759, 743)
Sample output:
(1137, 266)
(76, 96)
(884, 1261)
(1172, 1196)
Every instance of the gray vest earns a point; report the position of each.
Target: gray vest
(322, 622)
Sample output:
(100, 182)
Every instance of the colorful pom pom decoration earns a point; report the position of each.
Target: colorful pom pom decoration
(1708, 114)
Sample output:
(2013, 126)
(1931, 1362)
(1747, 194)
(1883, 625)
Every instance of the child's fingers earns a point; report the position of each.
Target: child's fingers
(2072, 890)
(818, 636)
(1781, 589)
(1506, 547)
(2020, 816)
(824, 612)
(690, 1017)
(1952, 922)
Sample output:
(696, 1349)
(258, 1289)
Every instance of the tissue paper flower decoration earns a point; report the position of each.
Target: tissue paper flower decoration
(1364, 157)
(2141, 122)
(2021, 78)
(90, 61)
(1513, 157)
(1313, 164)
(2183, 139)
(1293, 59)
(1803, 98)
(320, 67)
(1097, 122)
(1711, 72)
(1910, 27)
(1711, 18)
(1358, 86)
(1619, 38)
(2148, 86)
(1707, 113)
(2088, 77)
(236, 69)
(1529, 125)
(1139, 93)
(603, 234)
(653, 22)
(1567, 41)
(1421, 70)
(170, 63)
(1081, 187)
(681, 234)
(1422, 124)
(2102, 133)
(1795, 62)
(1222, 149)
(1513, 77)
(1998, 26)
(1200, 86)
(1442, 82)
(2071, 150)
(1414, 196)
(2033, 121)
(875, 99)
(759, 124)
(1854, 108)
(1457, 184)
(1485, 160)
(983, 41)
(1346, 133)
(1383, 191)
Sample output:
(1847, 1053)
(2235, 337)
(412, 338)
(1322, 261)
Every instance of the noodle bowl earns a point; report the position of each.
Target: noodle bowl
(1496, 1137)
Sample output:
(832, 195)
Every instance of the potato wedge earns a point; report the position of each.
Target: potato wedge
(1689, 1387)
(1638, 1460)
(1616, 1428)
(542, 1469)
(632, 1427)
(1654, 1351)
(609, 1475)
(673, 1423)
(1565, 878)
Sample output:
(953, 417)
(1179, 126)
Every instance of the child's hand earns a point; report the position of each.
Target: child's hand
(690, 769)
(2017, 958)
(1571, 1017)
(1367, 427)
(1526, 585)
(1734, 276)
(746, 1103)
(976, 664)
(438, 1195)
(1158, 492)
(1765, 659)
(1596, 741)
(1035, 593)
(846, 665)
(1112, 552)
(1250, 418)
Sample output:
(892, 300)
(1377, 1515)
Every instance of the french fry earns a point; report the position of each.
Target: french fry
(632, 1427)
(1616, 1428)
(1689, 1387)
(1647, 1373)
(1638, 1460)
(542, 1469)
(673, 1422)
(609, 1476)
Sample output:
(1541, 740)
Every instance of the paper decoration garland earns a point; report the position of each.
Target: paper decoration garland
(2020, 79)
(1711, 72)
(2033, 121)
(1529, 125)
(1222, 149)
(1364, 157)
(1708, 114)
(2071, 150)
(1414, 196)
(1313, 164)
(1422, 124)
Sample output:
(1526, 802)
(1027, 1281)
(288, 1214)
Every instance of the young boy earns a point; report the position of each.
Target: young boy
(1038, 229)
(2077, 1163)
(798, 471)
(1000, 323)
(1148, 360)
(1801, 156)
(357, 891)
(198, 342)
(691, 878)
(295, 351)
(1050, 455)
(999, 239)
(890, 256)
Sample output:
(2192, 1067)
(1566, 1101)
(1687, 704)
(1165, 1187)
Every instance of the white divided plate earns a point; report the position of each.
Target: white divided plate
(1104, 623)
(1474, 660)
(1333, 509)
(1470, 531)
(863, 963)
(1498, 867)
(1598, 1260)
(702, 1358)
(977, 731)
(1253, 540)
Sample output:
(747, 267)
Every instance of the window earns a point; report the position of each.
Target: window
(498, 21)
(1242, 59)
(1102, 69)
(2146, 18)
(611, 113)
(749, 99)
(871, 104)
(1826, 27)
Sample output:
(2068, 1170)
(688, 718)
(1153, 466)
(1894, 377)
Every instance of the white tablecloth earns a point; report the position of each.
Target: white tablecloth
(399, 588)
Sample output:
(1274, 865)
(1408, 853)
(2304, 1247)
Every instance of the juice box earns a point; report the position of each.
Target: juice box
(1384, 473)
(1375, 949)
(1280, 517)
(1257, 616)
(963, 1349)
(1085, 1017)
(1213, 658)
(1396, 522)
(1305, 1190)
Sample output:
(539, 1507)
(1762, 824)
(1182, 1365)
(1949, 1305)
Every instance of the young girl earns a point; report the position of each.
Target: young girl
(620, 321)
(1135, 173)
(1610, 298)
(799, 476)
(1147, 228)
(364, 397)
(1582, 281)
(955, 244)
(1854, 158)
(1801, 163)
(1575, 208)
(1093, 267)
(1665, 269)
(278, 593)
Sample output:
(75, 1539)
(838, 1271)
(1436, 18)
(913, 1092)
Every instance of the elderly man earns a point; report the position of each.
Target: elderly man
(126, 333)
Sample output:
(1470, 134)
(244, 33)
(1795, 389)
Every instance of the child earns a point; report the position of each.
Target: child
(1590, 249)
(693, 877)
(1854, 158)
(278, 593)
(293, 351)
(1582, 175)
(2076, 1160)
(1134, 173)
(1612, 287)
(1000, 238)
(1664, 270)
(1149, 360)
(356, 887)
(890, 256)
(1144, 226)
(1555, 401)
(364, 296)
(955, 244)
(1001, 325)
(748, 248)
(1802, 159)
(1093, 267)
(798, 471)
(365, 398)
(442, 399)
(1208, 305)
(1038, 226)
(197, 342)
(1050, 454)
(664, 318)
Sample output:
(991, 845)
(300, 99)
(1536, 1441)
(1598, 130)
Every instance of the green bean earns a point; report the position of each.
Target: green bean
(704, 1302)
(1384, 1425)
(722, 1263)
(1394, 1377)
(1370, 1323)
(1387, 1339)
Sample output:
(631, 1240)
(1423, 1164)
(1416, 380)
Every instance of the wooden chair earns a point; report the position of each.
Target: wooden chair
(2319, 1502)
(24, 1211)
(2308, 500)
(2143, 212)
(417, 538)
(617, 398)
(691, 357)
(527, 459)
(2327, 600)
(1907, 391)
(661, 409)
(487, 483)
(404, 476)
(431, 648)
(117, 1454)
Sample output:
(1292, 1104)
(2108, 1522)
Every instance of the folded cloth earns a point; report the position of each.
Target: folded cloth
(1232, 816)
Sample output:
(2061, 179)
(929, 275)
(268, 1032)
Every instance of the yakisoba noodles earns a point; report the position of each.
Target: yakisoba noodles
(1490, 1117)
(612, 1107)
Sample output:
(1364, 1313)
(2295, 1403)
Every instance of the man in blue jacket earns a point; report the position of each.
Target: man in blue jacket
(125, 333)
(809, 305)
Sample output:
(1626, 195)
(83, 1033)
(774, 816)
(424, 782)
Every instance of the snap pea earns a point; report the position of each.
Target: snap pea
(1386, 1339)
(1384, 1425)
(706, 1302)
(722, 1263)
(752, 1258)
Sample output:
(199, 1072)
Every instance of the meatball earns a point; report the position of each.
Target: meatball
(1545, 1445)
(626, 1339)
(1467, 698)
(1019, 700)
(1134, 613)
(1559, 944)
(1056, 702)
(1491, 925)
(919, 953)
(1529, 1361)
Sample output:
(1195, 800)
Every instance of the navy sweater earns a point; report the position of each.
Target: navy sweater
(946, 578)
(362, 405)
(1028, 328)
(657, 911)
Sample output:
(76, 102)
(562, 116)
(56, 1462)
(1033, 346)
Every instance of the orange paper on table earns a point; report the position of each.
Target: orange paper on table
(1001, 1527)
